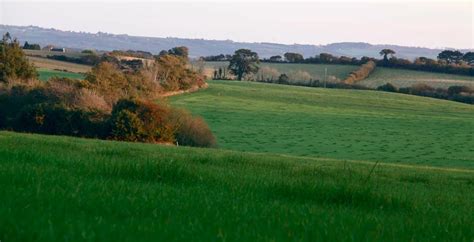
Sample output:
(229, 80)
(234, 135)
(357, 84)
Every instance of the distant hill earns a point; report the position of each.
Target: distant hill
(198, 47)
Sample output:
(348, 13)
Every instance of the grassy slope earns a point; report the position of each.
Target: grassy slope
(45, 74)
(404, 78)
(69, 189)
(315, 70)
(340, 124)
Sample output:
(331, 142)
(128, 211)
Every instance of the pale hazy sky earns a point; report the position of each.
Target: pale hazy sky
(412, 23)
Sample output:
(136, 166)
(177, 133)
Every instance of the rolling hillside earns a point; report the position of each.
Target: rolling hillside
(59, 188)
(338, 124)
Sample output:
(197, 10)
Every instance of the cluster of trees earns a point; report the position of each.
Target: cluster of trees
(109, 104)
(462, 94)
(28, 46)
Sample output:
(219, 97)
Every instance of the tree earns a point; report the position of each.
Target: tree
(243, 62)
(469, 58)
(181, 51)
(386, 52)
(28, 46)
(450, 56)
(326, 58)
(13, 63)
(276, 58)
(293, 57)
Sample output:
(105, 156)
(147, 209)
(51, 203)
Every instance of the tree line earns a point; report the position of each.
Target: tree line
(448, 61)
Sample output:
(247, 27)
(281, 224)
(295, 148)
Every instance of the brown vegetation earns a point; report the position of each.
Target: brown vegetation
(360, 74)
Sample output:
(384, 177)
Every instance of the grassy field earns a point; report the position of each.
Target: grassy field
(339, 124)
(315, 70)
(45, 74)
(70, 189)
(406, 78)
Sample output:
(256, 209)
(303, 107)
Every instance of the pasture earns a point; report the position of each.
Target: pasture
(407, 78)
(60, 188)
(337, 124)
(46, 74)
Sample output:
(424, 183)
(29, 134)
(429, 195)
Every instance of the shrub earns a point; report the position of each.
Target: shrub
(136, 120)
(387, 88)
(125, 125)
(192, 131)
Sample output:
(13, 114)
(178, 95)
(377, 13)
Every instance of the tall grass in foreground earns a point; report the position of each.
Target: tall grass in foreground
(69, 189)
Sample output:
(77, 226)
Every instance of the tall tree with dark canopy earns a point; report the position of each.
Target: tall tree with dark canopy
(293, 57)
(450, 56)
(243, 62)
(469, 58)
(386, 52)
(181, 51)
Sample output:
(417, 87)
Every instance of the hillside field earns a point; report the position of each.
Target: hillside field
(60, 188)
(407, 78)
(315, 70)
(338, 124)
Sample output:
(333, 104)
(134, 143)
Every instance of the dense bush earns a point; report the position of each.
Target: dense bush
(192, 131)
(57, 119)
(361, 73)
(135, 120)
(144, 121)
(387, 88)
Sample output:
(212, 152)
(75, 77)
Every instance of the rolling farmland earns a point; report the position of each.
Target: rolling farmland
(338, 124)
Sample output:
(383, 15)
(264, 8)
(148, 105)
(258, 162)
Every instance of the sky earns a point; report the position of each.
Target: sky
(434, 24)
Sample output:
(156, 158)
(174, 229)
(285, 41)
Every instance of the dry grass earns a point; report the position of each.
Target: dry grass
(58, 65)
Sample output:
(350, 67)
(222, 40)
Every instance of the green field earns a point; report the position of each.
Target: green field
(315, 70)
(338, 124)
(45, 74)
(406, 78)
(69, 189)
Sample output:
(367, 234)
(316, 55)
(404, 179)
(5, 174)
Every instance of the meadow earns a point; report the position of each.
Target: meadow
(46, 74)
(317, 71)
(338, 124)
(407, 78)
(71, 189)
